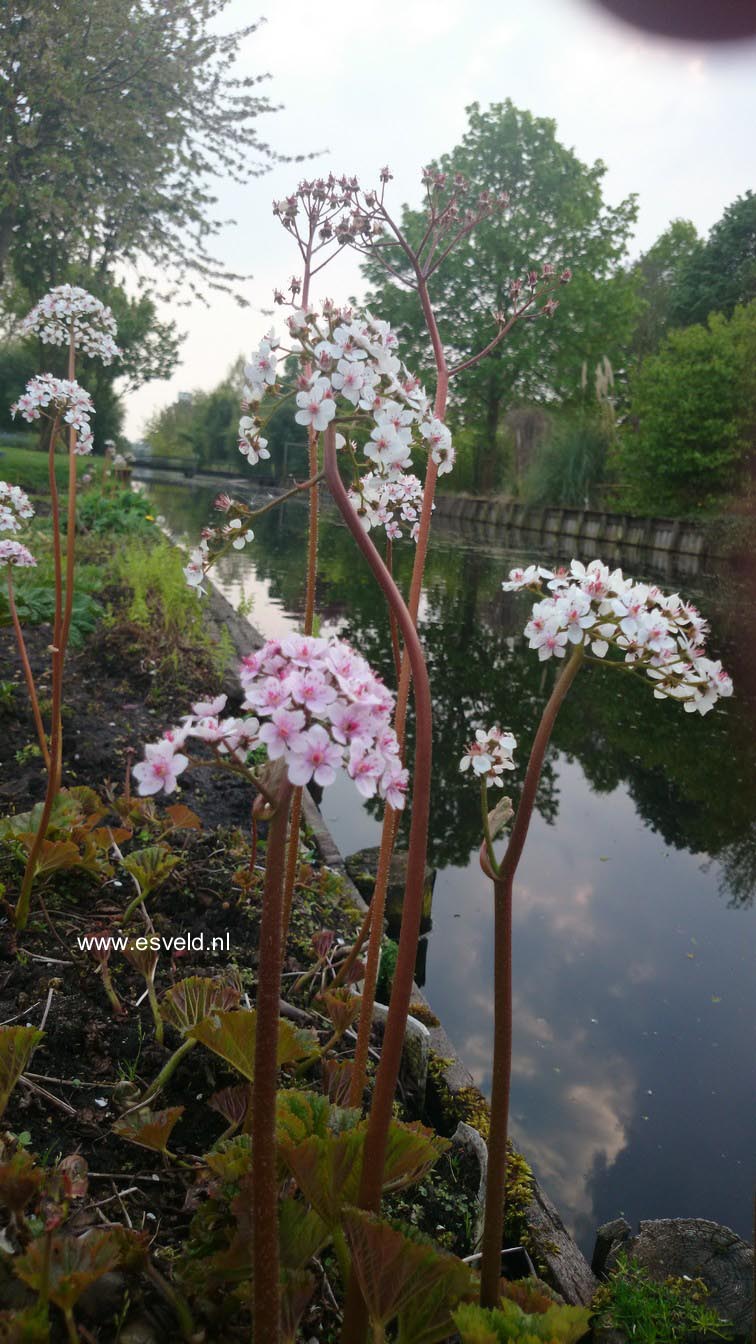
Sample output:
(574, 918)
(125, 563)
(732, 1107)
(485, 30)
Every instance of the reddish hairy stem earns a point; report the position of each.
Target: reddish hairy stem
(390, 820)
(502, 1071)
(28, 675)
(490, 1270)
(388, 1069)
(265, 1257)
(292, 857)
(56, 746)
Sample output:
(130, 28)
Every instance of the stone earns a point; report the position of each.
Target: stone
(413, 1072)
(609, 1237)
(566, 1267)
(470, 1141)
(362, 867)
(702, 1250)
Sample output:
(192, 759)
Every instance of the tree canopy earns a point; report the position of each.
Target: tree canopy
(115, 116)
(693, 404)
(557, 215)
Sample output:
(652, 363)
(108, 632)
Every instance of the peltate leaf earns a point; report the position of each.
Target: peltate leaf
(192, 1000)
(74, 1263)
(393, 1270)
(232, 1036)
(151, 866)
(301, 1233)
(297, 1287)
(411, 1150)
(149, 1129)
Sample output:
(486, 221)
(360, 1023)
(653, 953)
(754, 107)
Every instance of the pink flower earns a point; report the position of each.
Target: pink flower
(160, 768)
(208, 708)
(314, 757)
(13, 553)
(283, 733)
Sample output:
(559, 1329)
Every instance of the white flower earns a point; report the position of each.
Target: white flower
(69, 310)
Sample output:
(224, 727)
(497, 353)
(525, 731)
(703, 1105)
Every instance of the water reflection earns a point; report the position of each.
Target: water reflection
(634, 1032)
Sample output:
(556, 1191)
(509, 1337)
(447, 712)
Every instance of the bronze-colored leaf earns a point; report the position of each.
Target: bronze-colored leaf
(192, 1000)
(143, 959)
(232, 1103)
(327, 1170)
(17, 1045)
(297, 1288)
(183, 818)
(20, 1178)
(149, 1129)
(341, 1007)
(337, 1080)
(411, 1150)
(74, 1263)
(394, 1270)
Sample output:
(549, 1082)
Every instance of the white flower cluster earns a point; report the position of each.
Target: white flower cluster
(655, 633)
(353, 360)
(69, 310)
(68, 399)
(13, 553)
(15, 507)
(379, 497)
(490, 755)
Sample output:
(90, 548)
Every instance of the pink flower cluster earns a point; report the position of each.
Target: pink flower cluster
(67, 399)
(323, 707)
(490, 755)
(13, 553)
(655, 633)
(69, 309)
(15, 507)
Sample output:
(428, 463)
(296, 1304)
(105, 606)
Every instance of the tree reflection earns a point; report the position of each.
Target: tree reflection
(692, 780)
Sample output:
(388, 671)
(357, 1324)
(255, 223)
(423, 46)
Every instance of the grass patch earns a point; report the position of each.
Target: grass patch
(655, 1313)
(28, 468)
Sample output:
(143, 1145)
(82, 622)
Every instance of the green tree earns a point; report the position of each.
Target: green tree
(690, 433)
(115, 116)
(720, 273)
(658, 272)
(558, 215)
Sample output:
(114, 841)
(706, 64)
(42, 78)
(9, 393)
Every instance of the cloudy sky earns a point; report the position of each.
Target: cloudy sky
(373, 84)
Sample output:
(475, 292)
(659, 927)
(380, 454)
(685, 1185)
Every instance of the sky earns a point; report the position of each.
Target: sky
(389, 84)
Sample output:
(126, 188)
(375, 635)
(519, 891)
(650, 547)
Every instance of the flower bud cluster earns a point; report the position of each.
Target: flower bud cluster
(489, 755)
(654, 633)
(380, 499)
(67, 399)
(69, 310)
(13, 553)
(15, 507)
(323, 707)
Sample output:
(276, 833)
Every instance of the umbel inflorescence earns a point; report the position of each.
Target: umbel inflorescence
(323, 709)
(655, 634)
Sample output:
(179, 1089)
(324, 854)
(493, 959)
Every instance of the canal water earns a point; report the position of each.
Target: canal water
(634, 1086)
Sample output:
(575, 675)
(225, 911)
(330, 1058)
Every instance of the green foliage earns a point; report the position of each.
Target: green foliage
(129, 112)
(35, 604)
(508, 1322)
(571, 464)
(389, 954)
(657, 274)
(655, 1313)
(106, 513)
(557, 215)
(720, 273)
(691, 417)
(160, 594)
(232, 1035)
(25, 465)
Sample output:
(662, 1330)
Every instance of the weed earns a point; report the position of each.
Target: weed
(7, 694)
(655, 1313)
